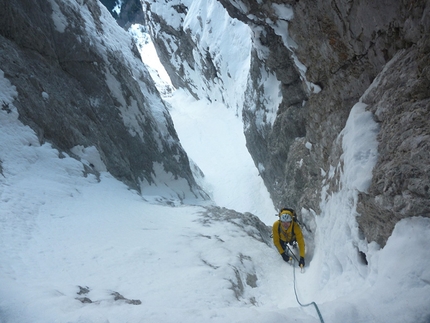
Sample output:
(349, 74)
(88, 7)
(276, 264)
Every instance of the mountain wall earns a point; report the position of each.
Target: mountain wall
(309, 63)
(374, 52)
(81, 85)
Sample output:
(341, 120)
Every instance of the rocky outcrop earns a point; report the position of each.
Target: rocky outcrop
(401, 182)
(81, 83)
(345, 45)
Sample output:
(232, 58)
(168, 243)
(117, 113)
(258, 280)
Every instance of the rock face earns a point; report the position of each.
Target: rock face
(345, 45)
(401, 182)
(274, 145)
(325, 56)
(81, 83)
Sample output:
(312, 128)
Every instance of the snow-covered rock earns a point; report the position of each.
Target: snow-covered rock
(80, 81)
(202, 48)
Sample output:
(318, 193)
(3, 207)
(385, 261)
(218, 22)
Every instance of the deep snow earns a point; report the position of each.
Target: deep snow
(70, 243)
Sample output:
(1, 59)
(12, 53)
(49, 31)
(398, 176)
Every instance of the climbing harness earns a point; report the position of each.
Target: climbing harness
(295, 290)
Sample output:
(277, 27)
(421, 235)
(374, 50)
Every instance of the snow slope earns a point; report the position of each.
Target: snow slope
(71, 244)
(76, 248)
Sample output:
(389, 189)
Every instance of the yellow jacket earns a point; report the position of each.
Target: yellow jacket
(279, 233)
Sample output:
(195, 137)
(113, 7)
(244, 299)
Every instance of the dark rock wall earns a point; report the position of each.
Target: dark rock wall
(345, 45)
(74, 91)
(290, 170)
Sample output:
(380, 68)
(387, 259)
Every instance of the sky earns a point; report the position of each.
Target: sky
(81, 249)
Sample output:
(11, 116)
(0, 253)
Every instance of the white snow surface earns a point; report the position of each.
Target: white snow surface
(72, 243)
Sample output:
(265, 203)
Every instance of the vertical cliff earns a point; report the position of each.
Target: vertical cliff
(81, 84)
(378, 52)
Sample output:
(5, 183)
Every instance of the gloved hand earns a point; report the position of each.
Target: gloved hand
(285, 257)
(302, 262)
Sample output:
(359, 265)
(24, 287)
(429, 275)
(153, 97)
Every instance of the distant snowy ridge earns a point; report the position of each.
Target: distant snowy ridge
(211, 49)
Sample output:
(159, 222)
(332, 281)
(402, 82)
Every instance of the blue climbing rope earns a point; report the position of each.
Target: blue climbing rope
(295, 290)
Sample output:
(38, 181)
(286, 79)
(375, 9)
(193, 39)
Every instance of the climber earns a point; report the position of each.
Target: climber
(287, 231)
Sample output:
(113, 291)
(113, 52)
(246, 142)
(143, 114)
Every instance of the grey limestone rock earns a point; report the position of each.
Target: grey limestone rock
(345, 45)
(77, 86)
(401, 181)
